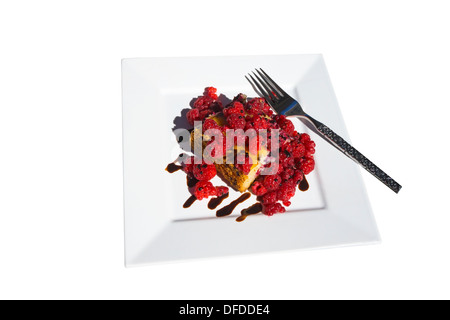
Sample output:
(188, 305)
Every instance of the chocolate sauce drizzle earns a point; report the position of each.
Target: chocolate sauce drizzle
(215, 202)
(189, 201)
(173, 167)
(304, 185)
(191, 181)
(253, 209)
(228, 209)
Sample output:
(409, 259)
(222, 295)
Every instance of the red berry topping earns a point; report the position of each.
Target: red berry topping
(188, 164)
(298, 176)
(287, 174)
(307, 165)
(286, 191)
(235, 107)
(271, 209)
(295, 153)
(204, 189)
(286, 159)
(211, 92)
(204, 171)
(298, 149)
(304, 138)
(203, 102)
(285, 124)
(256, 123)
(220, 191)
(236, 121)
(193, 115)
(255, 106)
(258, 188)
(270, 197)
(272, 182)
(210, 124)
(310, 148)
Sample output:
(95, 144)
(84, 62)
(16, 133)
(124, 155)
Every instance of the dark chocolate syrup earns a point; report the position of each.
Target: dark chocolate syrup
(173, 167)
(189, 201)
(304, 185)
(253, 209)
(215, 202)
(228, 209)
(191, 181)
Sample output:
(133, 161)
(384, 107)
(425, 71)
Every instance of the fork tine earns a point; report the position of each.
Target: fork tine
(260, 89)
(268, 88)
(254, 86)
(273, 82)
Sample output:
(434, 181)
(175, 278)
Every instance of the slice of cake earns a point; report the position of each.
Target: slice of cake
(239, 177)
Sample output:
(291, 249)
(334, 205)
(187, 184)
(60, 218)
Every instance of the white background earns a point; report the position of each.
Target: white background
(61, 219)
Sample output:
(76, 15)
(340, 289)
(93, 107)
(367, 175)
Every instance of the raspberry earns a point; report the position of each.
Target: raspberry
(286, 191)
(204, 189)
(287, 174)
(211, 92)
(285, 124)
(298, 176)
(280, 118)
(204, 171)
(203, 102)
(258, 188)
(284, 138)
(208, 101)
(210, 124)
(307, 165)
(234, 107)
(310, 148)
(304, 138)
(272, 182)
(188, 164)
(258, 106)
(255, 106)
(236, 121)
(198, 115)
(280, 169)
(298, 149)
(193, 115)
(271, 209)
(267, 109)
(270, 197)
(285, 159)
(220, 191)
(287, 147)
(256, 123)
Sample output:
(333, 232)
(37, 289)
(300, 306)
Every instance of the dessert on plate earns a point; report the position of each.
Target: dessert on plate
(250, 148)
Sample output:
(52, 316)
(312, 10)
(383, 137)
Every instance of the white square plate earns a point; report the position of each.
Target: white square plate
(334, 211)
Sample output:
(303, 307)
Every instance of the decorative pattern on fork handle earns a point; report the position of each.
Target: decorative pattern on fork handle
(358, 157)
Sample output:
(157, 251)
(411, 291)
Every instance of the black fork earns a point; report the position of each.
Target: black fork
(284, 104)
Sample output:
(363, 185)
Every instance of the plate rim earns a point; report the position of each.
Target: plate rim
(161, 228)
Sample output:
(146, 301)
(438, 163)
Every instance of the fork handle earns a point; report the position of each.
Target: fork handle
(354, 154)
